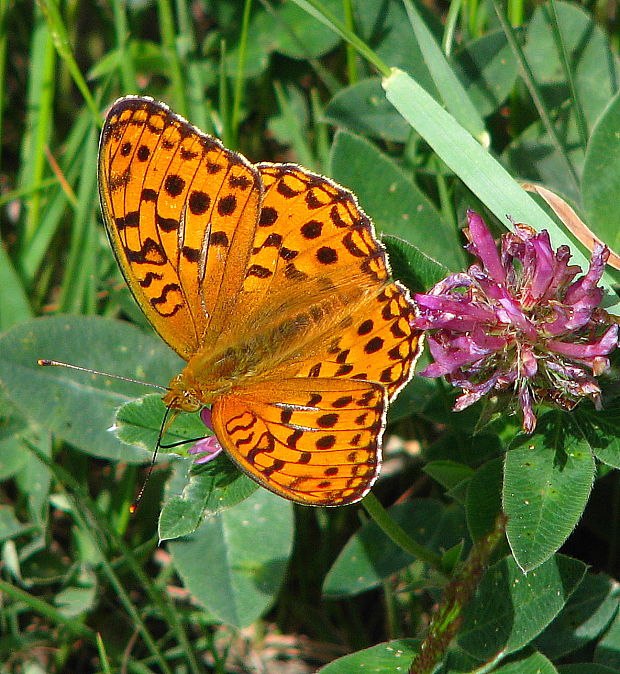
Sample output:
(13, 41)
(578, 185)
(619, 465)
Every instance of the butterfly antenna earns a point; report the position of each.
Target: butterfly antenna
(165, 423)
(46, 363)
(172, 445)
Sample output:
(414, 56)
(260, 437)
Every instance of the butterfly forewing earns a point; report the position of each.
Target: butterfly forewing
(310, 229)
(175, 204)
(317, 442)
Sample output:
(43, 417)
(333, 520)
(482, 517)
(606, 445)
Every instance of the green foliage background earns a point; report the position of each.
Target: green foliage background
(423, 111)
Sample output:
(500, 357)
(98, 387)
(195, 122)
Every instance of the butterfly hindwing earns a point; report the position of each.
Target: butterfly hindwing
(313, 441)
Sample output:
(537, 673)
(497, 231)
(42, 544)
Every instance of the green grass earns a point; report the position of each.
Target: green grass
(423, 113)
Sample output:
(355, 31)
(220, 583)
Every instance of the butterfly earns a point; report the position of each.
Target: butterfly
(269, 281)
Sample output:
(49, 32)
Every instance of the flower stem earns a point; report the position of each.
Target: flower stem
(447, 618)
(397, 534)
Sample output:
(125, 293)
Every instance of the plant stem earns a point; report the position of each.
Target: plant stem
(389, 527)
(536, 93)
(239, 79)
(447, 618)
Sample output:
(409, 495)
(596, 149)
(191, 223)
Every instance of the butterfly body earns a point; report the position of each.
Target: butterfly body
(282, 346)
(269, 281)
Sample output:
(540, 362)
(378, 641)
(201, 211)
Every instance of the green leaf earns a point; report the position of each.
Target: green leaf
(601, 178)
(139, 421)
(146, 55)
(363, 108)
(14, 433)
(594, 64)
(386, 658)
(370, 556)
(235, 562)
(458, 444)
(511, 608)
(74, 601)
(34, 478)
(391, 199)
(450, 558)
(450, 89)
(10, 527)
(488, 68)
(547, 481)
(385, 27)
(14, 305)
(411, 266)
(295, 33)
(412, 399)
(536, 663)
(208, 489)
(256, 57)
(586, 614)
(607, 651)
(586, 668)
(601, 429)
(484, 501)
(595, 71)
(79, 407)
(290, 126)
(459, 662)
(287, 29)
(448, 473)
(534, 155)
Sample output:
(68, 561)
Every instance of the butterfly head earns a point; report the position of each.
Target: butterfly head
(181, 396)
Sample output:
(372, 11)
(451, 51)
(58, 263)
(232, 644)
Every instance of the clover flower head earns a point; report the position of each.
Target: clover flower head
(208, 448)
(519, 318)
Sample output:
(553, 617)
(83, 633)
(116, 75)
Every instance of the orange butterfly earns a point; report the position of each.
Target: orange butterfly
(269, 281)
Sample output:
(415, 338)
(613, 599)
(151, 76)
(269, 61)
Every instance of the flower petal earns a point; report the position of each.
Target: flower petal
(587, 283)
(209, 448)
(205, 415)
(483, 246)
(529, 418)
(601, 347)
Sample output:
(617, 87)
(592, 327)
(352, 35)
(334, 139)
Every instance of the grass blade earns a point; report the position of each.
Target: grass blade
(484, 176)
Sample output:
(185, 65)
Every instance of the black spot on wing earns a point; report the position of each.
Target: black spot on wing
(150, 253)
(167, 224)
(312, 229)
(259, 271)
(241, 182)
(219, 239)
(227, 205)
(268, 216)
(190, 254)
(174, 185)
(374, 345)
(327, 255)
(199, 202)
